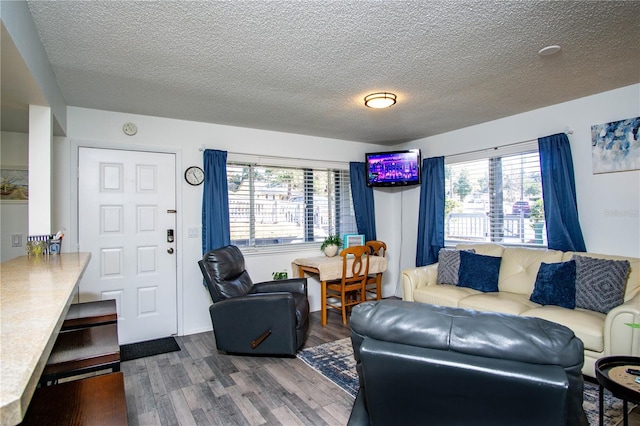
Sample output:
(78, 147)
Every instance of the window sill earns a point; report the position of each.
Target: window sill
(280, 249)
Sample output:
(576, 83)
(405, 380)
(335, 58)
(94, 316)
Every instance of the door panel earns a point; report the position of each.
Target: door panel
(124, 200)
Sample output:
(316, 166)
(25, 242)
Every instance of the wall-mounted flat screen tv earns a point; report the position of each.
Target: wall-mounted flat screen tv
(393, 168)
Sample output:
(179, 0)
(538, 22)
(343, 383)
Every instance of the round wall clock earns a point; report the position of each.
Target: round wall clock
(194, 175)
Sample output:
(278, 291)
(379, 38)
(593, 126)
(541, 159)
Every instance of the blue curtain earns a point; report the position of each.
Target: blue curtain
(431, 214)
(215, 201)
(363, 205)
(559, 194)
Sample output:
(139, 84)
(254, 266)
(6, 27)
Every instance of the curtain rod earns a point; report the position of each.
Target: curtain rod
(495, 148)
(203, 147)
(276, 157)
(568, 132)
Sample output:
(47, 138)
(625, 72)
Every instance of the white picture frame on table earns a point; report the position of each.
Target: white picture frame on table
(351, 240)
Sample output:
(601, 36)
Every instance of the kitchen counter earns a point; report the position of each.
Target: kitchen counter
(35, 294)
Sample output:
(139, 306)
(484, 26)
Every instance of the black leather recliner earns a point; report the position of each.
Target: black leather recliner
(263, 318)
(420, 364)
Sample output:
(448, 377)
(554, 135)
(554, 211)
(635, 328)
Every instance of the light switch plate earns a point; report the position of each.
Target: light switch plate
(16, 240)
(193, 232)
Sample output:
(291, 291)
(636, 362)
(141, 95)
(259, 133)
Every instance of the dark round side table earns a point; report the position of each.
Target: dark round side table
(611, 374)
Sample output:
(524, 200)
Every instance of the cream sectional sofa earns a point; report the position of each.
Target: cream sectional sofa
(602, 334)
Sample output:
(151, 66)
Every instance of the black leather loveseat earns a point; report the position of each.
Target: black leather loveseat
(421, 364)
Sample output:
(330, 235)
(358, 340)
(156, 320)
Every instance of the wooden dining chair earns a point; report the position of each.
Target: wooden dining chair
(373, 290)
(350, 289)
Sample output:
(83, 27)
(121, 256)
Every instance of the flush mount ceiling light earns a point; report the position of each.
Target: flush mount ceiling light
(380, 100)
(549, 50)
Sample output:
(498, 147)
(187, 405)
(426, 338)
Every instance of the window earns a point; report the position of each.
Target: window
(279, 206)
(497, 199)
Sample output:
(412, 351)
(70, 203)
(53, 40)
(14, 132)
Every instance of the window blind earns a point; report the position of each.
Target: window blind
(495, 199)
(279, 206)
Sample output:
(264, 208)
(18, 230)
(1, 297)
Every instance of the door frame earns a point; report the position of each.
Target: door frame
(73, 208)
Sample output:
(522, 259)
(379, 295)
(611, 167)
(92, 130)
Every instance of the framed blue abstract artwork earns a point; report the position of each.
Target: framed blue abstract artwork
(615, 146)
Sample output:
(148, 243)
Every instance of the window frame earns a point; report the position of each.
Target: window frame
(305, 165)
(488, 154)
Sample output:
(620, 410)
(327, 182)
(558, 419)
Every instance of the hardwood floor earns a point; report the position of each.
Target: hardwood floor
(198, 386)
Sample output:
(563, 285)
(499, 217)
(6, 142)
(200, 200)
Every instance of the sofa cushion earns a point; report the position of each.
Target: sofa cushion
(449, 266)
(443, 295)
(479, 272)
(600, 283)
(488, 249)
(556, 284)
(520, 266)
(633, 281)
(587, 325)
(503, 302)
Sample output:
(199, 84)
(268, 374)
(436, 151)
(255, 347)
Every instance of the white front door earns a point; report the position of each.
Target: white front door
(126, 205)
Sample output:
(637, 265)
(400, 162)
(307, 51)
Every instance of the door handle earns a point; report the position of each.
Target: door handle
(170, 250)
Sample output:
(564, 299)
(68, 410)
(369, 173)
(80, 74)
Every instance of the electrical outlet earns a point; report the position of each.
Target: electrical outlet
(16, 240)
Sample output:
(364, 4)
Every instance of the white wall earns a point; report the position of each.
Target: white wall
(14, 216)
(40, 169)
(608, 204)
(102, 128)
(394, 221)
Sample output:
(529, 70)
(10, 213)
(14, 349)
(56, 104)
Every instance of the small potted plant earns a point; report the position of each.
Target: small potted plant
(537, 220)
(331, 244)
(282, 275)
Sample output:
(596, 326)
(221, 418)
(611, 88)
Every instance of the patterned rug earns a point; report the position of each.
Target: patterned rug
(335, 361)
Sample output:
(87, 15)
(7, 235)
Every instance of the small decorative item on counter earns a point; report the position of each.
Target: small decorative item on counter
(44, 244)
(38, 244)
(54, 246)
(55, 243)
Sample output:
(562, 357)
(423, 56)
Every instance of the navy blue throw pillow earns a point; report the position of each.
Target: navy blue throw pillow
(479, 272)
(556, 285)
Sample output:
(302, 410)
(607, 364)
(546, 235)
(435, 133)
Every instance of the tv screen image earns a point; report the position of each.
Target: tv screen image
(393, 168)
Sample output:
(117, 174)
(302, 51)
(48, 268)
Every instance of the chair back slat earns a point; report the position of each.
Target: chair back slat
(358, 257)
(377, 248)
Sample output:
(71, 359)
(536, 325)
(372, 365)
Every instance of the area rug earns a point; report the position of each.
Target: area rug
(335, 361)
(148, 348)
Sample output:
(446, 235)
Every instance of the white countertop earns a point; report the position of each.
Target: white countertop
(35, 294)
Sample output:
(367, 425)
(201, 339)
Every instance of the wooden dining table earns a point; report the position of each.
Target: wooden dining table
(329, 269)
(35, 295)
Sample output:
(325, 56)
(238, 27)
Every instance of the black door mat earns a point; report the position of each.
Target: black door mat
(148, 348)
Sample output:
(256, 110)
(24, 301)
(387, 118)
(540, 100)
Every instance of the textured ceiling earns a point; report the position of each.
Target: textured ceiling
(304, 67)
